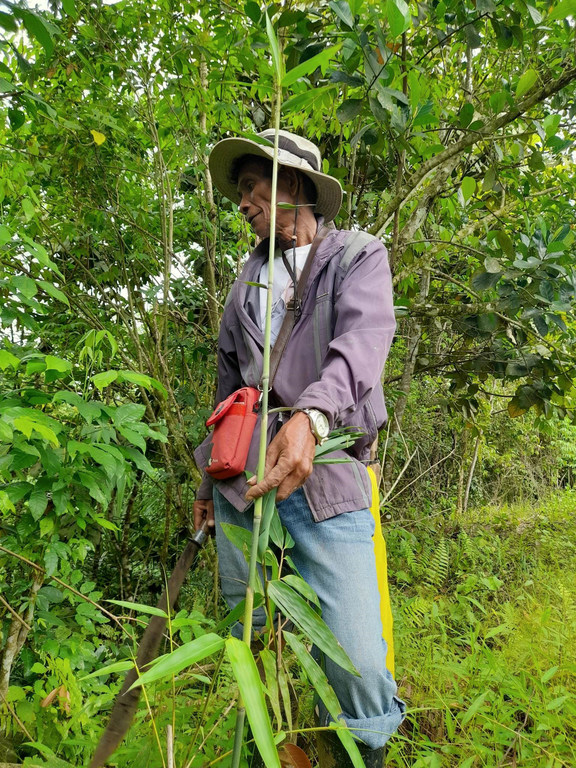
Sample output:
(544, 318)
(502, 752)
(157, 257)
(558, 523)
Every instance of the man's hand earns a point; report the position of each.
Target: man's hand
(204, 513)
(288, 459)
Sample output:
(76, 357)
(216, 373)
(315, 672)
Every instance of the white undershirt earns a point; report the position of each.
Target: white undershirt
(283, 288)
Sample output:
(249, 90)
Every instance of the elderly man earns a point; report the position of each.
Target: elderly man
(329, 375)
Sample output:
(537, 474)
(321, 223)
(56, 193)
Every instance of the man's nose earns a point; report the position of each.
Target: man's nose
(244, 204)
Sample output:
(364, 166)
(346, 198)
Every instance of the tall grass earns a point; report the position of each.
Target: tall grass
(486, 637)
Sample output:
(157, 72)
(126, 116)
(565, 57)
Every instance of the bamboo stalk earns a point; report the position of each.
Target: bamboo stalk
(258, 504)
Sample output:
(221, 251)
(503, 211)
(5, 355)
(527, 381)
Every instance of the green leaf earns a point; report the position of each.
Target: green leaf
(104, 523)
(268, 659)
(474, 707)
(142, 380)
(7, 358)
(57, 364)
(252, 10)
(40, 254)
(274, 49)
(50, 561)
(138, 458)
(468, 187)
(297, 609)
(51, 290)
(343, 11)
(310, 65)
(483, 281)
(140, 608)
(102, 380)
(240, 537)
(133, 437)
(268, 512)
(38, 28)
(26, 425)
(117, 666)
(466, 115)
(549, 674)
(298, 583)
(5, 235)
(526, 82)
(320, 683)
(6, 432)
(69, 8)
(349, 109)
(558, 702)
(25, 285)
(505, 242)
(28, 208)
(248, 679)
(6, 86)
(398, 14)
(37, 501)
(7, 22)
(564, 9)
(171, 663)
(129, 413)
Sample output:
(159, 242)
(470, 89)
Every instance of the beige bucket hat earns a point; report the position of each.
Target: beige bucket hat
(293, 151)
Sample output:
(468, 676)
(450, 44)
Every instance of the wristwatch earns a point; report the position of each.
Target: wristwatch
(318, 424)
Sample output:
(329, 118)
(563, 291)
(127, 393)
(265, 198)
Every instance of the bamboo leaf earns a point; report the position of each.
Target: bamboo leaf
(117, 666)
(310, 65)
(140, 608)
(324, 690)
(269, 663)
(248, 679)
(302, 586)
(274, 49)
(182, 657)
(268, 512)
(313, 626)
(236, 613)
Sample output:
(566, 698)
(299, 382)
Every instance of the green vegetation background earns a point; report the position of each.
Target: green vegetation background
(450, 125)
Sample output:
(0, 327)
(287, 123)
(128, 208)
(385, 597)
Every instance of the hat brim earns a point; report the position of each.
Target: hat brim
(226, 152)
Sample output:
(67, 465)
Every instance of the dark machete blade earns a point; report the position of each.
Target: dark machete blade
(126, 701)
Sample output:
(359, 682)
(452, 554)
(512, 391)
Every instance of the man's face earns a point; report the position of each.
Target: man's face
(255, 190)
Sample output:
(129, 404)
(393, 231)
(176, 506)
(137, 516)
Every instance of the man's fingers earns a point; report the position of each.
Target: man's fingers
(269, 481)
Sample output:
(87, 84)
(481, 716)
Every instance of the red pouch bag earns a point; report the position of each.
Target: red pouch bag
(234, 420)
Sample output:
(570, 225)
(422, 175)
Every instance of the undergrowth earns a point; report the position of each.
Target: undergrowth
(485, 634)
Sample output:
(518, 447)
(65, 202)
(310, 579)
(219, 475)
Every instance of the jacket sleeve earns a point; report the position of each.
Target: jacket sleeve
(364, 326)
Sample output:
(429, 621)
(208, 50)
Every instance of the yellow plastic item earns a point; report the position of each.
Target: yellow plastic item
(382, 574)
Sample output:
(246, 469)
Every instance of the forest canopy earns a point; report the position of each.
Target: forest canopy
(450, 125)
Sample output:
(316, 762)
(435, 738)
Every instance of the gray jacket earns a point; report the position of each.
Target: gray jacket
(333, 361)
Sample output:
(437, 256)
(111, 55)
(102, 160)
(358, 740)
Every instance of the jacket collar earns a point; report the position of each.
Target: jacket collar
(331, 244)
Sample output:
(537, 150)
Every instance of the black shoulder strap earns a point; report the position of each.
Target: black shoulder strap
(290, 316)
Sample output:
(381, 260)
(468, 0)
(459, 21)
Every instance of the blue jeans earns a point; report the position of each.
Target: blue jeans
(336, 558)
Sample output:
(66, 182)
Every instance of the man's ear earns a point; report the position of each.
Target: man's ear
(291, 180)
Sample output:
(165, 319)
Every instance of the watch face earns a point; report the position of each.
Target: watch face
(321, 424)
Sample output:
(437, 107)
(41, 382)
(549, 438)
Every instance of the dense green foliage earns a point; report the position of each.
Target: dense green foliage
(450, 125)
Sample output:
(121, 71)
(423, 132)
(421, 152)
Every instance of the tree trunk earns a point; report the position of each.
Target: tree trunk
(471, 473)
(17, 634)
